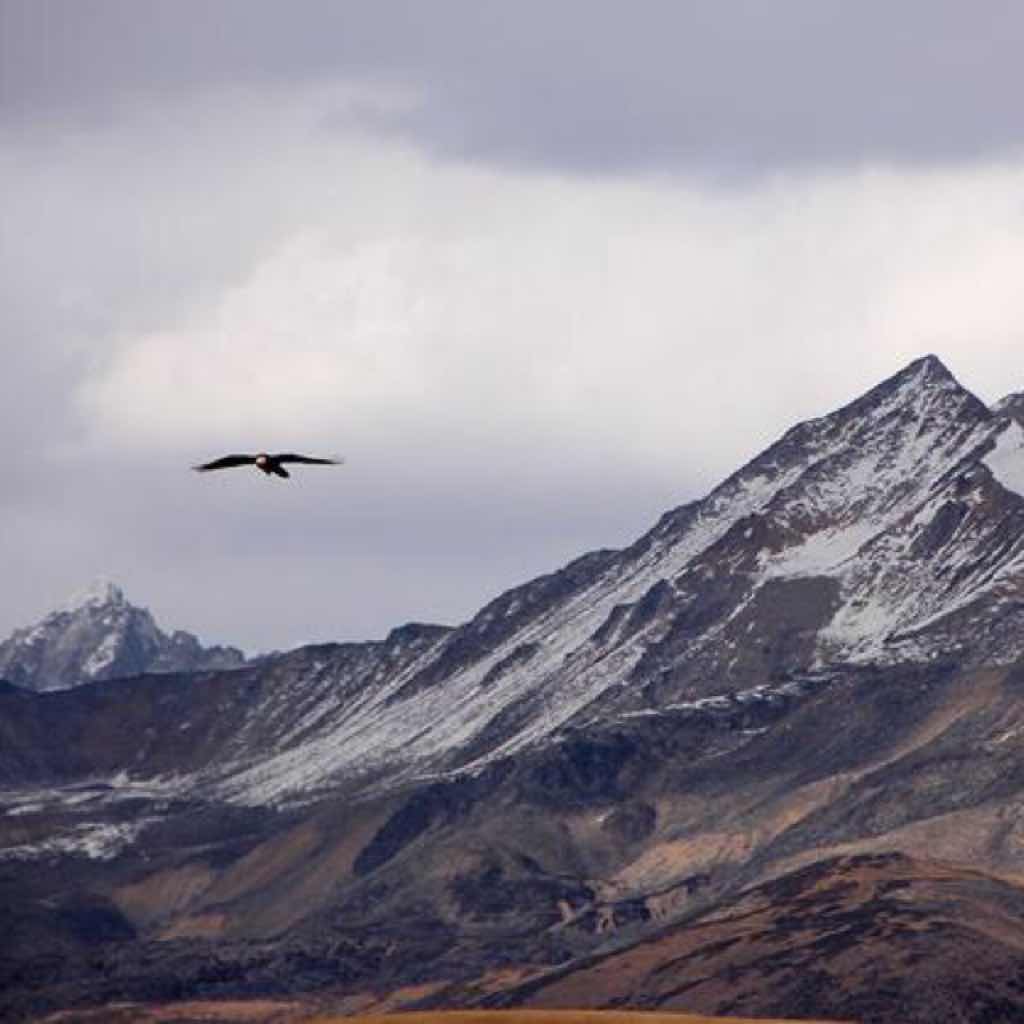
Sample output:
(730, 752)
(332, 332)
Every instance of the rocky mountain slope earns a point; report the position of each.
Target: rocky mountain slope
(100, 635)
(888, 531)
(849, 936)
(821, 659)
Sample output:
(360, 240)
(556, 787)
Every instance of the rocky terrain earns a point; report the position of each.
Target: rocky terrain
(860, 938)
(764, 761)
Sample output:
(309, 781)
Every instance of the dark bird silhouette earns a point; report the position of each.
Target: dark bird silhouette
(270, 464)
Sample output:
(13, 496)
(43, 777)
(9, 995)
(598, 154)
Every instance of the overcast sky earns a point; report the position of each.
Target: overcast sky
(539, 270)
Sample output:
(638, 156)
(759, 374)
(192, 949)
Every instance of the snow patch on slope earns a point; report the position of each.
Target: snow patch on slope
(822, 552)
(96, 841)
(1006, 460)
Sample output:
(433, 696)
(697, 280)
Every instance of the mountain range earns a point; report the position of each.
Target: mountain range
(765, 760)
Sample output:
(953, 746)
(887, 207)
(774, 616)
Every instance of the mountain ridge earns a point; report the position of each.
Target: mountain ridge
(823, 549)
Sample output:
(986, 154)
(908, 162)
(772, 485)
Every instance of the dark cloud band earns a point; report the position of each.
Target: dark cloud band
(720, 86)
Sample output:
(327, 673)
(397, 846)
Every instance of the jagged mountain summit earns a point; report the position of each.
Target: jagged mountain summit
(98, 634)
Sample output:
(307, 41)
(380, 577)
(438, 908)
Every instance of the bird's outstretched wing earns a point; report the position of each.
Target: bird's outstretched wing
(226, 462)
(293, 457)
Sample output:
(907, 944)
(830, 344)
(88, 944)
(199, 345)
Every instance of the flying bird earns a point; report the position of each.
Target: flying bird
(270, 464)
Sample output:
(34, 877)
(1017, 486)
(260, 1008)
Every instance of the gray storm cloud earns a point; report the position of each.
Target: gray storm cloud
(733, 87)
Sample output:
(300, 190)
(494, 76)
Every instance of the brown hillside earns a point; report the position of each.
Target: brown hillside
(856, 936)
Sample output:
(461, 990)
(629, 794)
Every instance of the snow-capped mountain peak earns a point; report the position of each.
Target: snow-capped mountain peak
(101, 592)
(99, 634)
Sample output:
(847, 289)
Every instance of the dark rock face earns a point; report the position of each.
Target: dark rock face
(764, 761)
(631, 822)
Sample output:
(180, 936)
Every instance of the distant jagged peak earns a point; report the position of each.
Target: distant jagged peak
(99, 634)
(100, 593)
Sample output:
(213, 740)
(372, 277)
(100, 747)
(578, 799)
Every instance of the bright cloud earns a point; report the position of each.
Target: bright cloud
(646, 319)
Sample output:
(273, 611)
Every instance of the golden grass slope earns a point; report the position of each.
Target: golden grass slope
(257, 1011)
(547, 1017)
